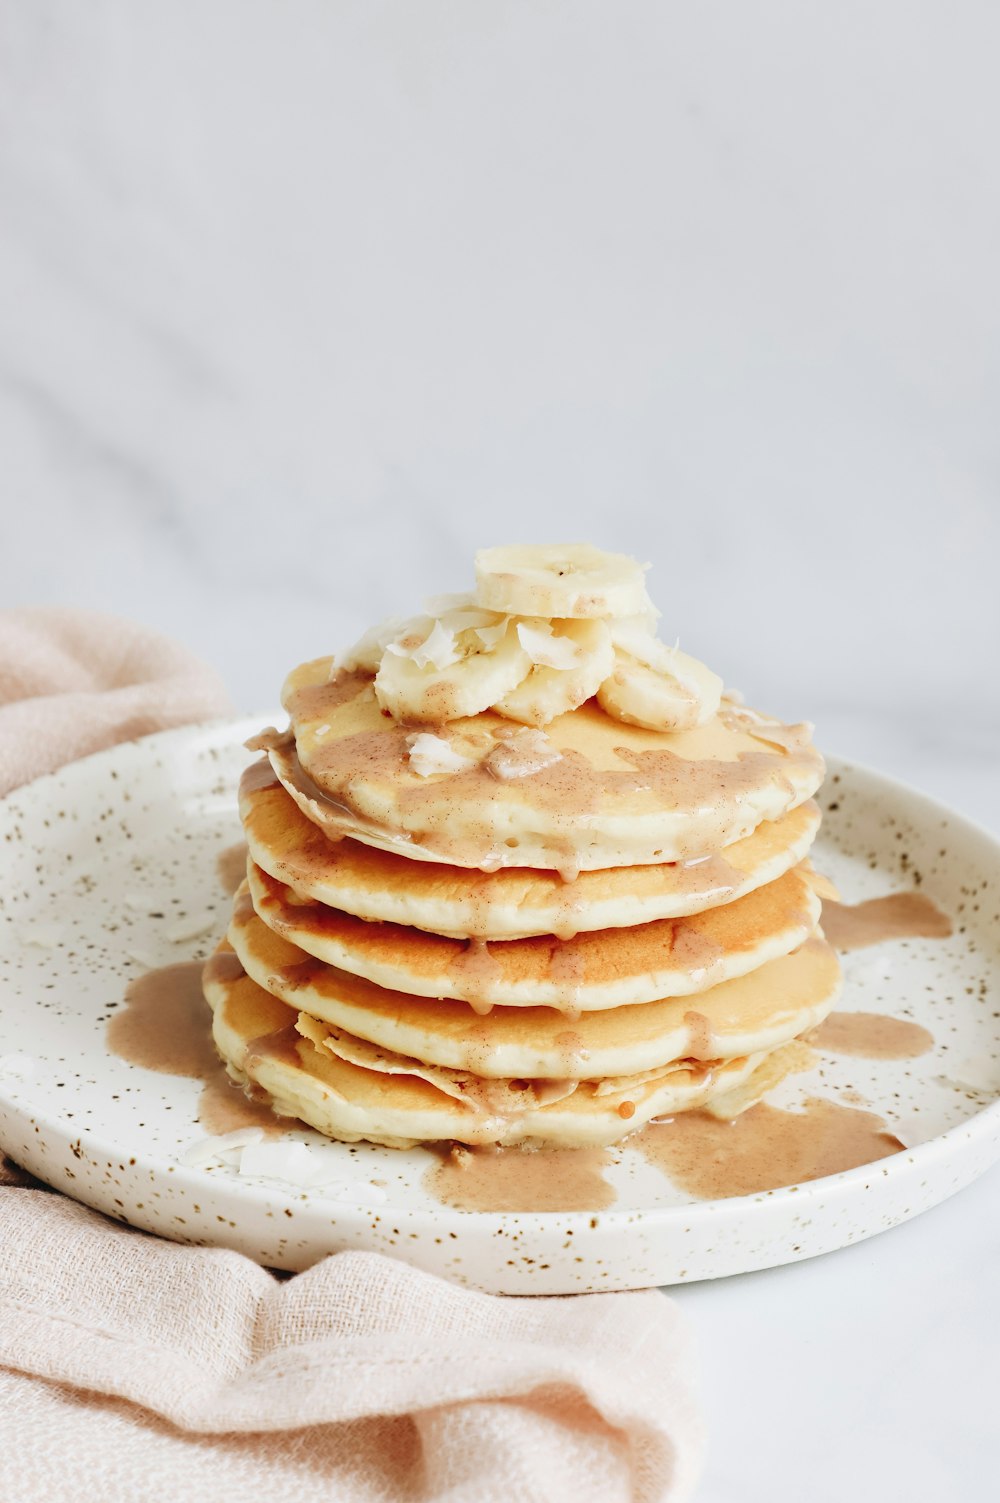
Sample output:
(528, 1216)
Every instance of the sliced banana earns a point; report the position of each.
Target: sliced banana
(460, 677)
(366, 654)
(657, 686)
(571, 660)
(573, 580)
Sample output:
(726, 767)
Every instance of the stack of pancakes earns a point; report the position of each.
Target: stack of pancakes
(552, 935)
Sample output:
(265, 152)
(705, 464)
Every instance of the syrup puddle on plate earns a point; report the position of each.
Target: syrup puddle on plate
(522, 1179)
(765, 1148)
(872, 1035)
(165, 1026)
(899, 915)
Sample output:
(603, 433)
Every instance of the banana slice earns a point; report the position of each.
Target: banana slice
(571, 660)
(366, 654)
(574, 580)
(447, 675)
(657, 686)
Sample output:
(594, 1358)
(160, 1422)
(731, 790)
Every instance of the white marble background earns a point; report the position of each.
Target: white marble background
(301, 302)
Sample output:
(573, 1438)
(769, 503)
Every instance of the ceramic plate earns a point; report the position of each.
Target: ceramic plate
(111, 868)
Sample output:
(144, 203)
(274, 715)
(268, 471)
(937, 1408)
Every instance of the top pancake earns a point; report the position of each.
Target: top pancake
(619, 795)
(509, 904)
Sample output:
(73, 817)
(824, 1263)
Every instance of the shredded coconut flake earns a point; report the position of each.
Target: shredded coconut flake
(526, 752)
(490, 636)
(431, 754)
(291, 1162)
(434, 648)
(366, 654)
(545, 649)
(206, 1150)
(439, 649)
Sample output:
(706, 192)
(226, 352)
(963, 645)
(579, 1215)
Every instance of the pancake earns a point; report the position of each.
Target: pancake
(617, 794)
(512, 903)
(519, 872)
(261, 1040)
(606, 968)
(757, 1012)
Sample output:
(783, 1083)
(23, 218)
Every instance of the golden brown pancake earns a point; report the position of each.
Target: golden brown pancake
(516, 901)
(754, 1013)
(295, 1062)
(603, 969)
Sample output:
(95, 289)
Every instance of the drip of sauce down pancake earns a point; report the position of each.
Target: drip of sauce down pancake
(231, 867)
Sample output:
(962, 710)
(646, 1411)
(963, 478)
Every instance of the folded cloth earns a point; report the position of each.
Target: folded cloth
(73, 682)
(133, 1369)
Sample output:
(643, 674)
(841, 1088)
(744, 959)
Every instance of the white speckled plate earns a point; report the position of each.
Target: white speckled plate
(147, 820)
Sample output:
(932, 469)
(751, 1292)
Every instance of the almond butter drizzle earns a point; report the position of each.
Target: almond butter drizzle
(765, 1148)
(477, 970)
(567, 973)
(900, 915)
(522, 1179)
(702, 1040)
(165, 1026)
(231, 866)
(871, 1035)
(567, 790)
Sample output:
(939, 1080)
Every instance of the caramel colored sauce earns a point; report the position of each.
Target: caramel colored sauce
(477, 969)
(223, 1107)
(765, 1148)
(166, 1023)
(901, 915)
(258, 776)
(231, 866)
(567, 972)
(520, 1179)
(701, 1038)
(567, 789)
(165, 1026)
(870, 1035)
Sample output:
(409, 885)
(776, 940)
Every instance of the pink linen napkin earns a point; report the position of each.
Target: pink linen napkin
(133, 1369)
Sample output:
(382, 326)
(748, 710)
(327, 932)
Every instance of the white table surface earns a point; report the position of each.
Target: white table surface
(299, 304)
(872, 1374)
